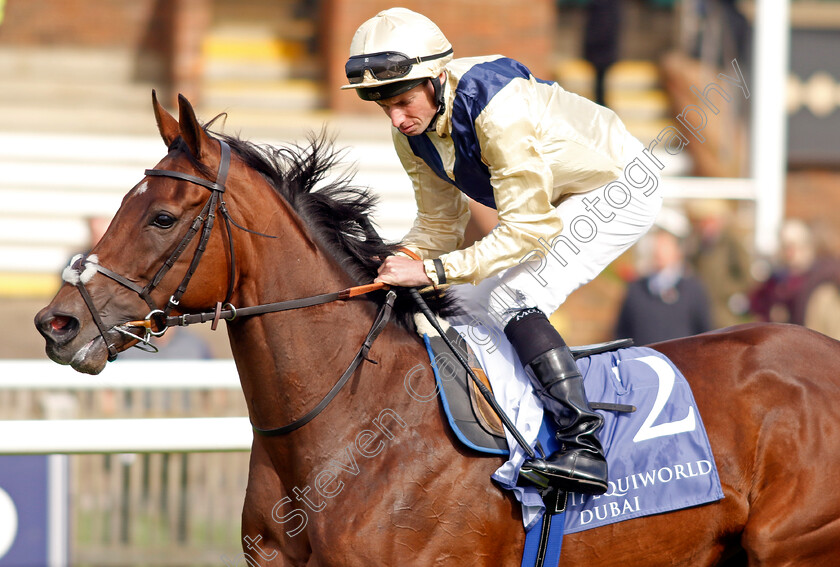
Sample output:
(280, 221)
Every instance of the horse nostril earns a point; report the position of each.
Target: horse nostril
(60, 327)
(61, 323)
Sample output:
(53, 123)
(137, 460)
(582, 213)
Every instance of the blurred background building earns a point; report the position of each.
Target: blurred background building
(76, 132)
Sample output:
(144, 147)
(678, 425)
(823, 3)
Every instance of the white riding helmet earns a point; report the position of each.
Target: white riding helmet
(393, 52)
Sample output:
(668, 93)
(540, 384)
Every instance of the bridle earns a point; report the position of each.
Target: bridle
(82, 268)
(88, 265)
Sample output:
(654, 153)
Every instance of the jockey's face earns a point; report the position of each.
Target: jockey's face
(412, 111)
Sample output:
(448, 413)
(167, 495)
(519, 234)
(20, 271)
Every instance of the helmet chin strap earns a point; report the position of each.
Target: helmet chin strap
(437, 85)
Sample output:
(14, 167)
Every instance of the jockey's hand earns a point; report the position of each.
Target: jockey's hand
(402, 271)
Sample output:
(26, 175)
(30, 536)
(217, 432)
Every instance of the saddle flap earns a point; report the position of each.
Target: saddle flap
(472, 419)
(484, 414)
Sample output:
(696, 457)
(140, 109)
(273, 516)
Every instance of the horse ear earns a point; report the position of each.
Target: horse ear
(167, 125)
(191, 131)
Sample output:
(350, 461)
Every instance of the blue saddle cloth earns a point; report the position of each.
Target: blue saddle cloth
(659, 456)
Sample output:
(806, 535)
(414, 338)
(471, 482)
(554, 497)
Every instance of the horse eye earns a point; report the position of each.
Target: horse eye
(164, 220)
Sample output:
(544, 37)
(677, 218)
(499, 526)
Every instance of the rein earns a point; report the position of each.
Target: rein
(378, 324)
(232, 312)
(83, 268)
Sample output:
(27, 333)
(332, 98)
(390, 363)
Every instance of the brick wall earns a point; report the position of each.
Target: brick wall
(82, 23)
(170, 31)
(474, 27)
(190, 23)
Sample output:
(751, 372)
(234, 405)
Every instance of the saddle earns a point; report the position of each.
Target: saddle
(472, 419)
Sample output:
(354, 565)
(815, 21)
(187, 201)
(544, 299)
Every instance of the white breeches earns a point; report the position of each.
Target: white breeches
(599, 226)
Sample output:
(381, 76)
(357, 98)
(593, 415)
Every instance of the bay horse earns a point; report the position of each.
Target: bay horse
(376, 478)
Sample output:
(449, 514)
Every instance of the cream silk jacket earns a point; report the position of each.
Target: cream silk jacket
(514, 143)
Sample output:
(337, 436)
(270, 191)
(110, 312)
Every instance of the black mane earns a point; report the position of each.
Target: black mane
(336, 211)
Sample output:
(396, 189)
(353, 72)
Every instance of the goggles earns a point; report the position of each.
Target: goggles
(384, 65)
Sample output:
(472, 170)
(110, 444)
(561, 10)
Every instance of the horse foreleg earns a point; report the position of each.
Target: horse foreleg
(271, 537)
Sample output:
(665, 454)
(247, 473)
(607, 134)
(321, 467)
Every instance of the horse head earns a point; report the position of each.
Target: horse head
(143, 263)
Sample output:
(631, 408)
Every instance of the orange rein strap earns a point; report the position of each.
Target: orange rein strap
(409, 253)
(361, 290)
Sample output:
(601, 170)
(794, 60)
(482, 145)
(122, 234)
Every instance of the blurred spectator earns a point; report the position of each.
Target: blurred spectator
(804, 289)
(721, 261)
(717, 31)
(668, 302)
(97, 227)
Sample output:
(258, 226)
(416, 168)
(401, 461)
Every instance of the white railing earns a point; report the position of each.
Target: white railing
(145, 435)
(139, 435)
(121, 375)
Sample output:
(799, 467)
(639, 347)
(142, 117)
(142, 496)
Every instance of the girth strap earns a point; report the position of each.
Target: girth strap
(378, 325)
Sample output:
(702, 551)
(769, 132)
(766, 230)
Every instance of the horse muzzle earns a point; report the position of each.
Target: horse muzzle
(68, 341)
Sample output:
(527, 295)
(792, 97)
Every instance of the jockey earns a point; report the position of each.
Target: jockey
(549, 162)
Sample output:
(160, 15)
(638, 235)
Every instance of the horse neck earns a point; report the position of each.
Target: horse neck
(288, 361)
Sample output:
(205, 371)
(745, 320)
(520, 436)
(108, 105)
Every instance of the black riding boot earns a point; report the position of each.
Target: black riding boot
(579, 465)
